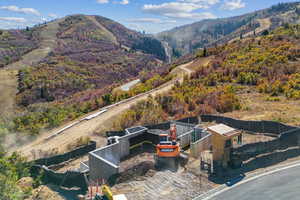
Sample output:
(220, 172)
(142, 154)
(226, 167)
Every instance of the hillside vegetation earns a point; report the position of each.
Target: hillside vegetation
(93, 56)
(15, 43)
(12, 169)
(186, 39)
(267, 64)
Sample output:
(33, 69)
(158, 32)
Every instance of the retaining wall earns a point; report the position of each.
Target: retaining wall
(104, 162)
(202, 143)
(68, 179)
(100, 168)
(284, 141)
(161, 126)
(190, 120)
(253, 126)
(57, 159)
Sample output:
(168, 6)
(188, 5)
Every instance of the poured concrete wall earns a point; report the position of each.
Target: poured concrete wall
(104, 162)
(184, 131)
(185, 139)
(201, 145)
(101, 168)
(183, 128)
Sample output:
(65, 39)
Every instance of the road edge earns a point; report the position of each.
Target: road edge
(253, 176)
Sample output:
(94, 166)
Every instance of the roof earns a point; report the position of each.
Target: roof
(223, 130)
(135, 129)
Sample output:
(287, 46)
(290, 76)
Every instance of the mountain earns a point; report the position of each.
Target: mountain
(92, 52)
(70, 66)
(15, 43)
(187, 38)
(254, 78)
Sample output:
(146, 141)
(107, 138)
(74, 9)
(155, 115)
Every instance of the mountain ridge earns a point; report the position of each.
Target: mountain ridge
(185, 39)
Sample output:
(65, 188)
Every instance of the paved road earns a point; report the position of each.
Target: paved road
(282, 185)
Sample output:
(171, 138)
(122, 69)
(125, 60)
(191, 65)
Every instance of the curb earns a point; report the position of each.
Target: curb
(255, 175)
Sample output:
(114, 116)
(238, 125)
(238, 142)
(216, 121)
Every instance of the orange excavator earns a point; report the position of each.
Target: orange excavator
(168, 150)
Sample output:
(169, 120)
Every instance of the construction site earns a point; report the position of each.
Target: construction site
(176, 159)
(148, 162)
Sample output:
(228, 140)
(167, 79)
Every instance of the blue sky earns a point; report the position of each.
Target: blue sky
(151, 16)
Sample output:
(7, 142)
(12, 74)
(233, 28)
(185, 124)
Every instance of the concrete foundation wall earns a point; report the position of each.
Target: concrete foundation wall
(183, 128)
(101, 168)
(110, 153)
(124, 147)
(104, 162)
(185, 139)
(201, 145)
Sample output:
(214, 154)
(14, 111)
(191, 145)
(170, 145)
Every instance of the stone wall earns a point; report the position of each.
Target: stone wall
(67, 179)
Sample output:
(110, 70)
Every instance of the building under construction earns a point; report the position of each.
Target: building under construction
(105, 162)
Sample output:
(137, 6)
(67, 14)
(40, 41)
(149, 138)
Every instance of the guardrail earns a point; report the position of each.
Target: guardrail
(106, 108)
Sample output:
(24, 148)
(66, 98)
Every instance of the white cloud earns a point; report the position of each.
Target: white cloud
(233, 5)
(151, 20)
(13, 19)
(102, 1)
(198, 16)
(21, 10)
(53, 15)
(184, 9)
(205, 2)
(124, 2)
(171, 7)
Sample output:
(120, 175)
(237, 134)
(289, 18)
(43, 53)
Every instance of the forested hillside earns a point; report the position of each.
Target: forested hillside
(186, 39)
(93, 56)
(15, 43)
(266, 64)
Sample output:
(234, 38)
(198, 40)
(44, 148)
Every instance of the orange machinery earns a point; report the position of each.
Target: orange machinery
(168, 149)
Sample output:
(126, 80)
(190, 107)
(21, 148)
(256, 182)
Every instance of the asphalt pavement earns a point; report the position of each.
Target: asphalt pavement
(281, 185)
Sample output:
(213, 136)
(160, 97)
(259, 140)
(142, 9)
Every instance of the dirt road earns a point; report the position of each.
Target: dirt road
(8, 90)
(264, 24)
(97, 124)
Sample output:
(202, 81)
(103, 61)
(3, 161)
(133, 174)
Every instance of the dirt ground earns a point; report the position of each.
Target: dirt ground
(186, 183)
(256, 107)
(254, 138)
